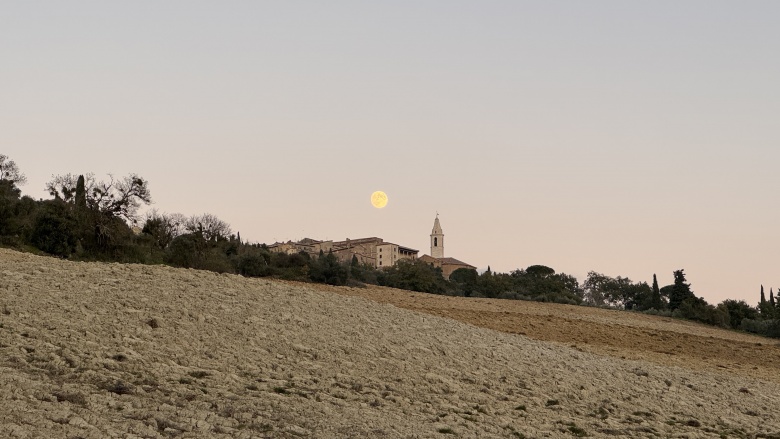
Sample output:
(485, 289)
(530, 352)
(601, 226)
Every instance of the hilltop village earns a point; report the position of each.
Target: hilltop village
(376, 252)
(94, 220)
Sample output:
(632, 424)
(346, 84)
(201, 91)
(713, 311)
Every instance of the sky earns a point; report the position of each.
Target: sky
(623, 137)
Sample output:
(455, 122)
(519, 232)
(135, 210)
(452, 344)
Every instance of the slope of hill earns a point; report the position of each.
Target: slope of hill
(108, 350)
(660, 340)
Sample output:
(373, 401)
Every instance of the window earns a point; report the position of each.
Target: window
(380, 256)
(435, 242)
(380, 262)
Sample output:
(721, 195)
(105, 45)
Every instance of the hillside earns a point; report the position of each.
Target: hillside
(109, 350)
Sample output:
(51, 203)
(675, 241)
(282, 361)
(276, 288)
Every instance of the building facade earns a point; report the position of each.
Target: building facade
(437, 258)
(372, 251)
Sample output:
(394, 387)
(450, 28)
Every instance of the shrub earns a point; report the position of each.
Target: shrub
(253, 265)
(655, 312)
(52, 231)
(769, 328)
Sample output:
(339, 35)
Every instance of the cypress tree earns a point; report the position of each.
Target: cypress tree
(657, 303)
(354, 268)
(771, 298)
(81, 194)
(764, 306)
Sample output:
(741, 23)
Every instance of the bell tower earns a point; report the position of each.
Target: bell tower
(437, 239)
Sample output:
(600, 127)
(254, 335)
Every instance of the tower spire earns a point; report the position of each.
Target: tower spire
(437, 239)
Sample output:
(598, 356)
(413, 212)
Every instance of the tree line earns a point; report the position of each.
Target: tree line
(98, 220)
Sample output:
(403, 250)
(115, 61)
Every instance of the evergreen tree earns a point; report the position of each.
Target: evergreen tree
(771, 298)
(765, 308)
(656, 301)
(681, 290)
(9, 199)
(81, 194)
(327, 269)
(354, 263)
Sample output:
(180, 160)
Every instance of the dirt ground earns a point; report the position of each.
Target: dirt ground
(627, 335)
(91, 351)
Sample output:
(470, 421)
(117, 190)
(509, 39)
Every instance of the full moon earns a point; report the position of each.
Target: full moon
(379, 199)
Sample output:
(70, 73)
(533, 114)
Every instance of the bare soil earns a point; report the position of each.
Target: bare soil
(627, 335)
(93, 350)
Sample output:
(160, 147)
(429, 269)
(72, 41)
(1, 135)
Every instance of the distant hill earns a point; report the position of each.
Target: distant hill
(98, 350)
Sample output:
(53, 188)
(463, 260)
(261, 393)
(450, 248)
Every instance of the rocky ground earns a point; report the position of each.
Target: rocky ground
(108, 350)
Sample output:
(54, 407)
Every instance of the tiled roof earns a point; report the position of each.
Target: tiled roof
(446, 261)
(453, 261)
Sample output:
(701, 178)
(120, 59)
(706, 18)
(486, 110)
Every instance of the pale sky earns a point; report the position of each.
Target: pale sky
(624, 137)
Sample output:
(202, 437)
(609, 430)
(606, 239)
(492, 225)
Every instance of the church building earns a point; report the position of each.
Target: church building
(437, 259)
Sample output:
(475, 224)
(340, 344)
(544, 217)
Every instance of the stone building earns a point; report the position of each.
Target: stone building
(305, 245)
(437, 259)
(372, 251)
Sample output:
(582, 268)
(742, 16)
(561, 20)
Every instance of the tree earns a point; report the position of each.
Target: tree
(81, 194)
(619, 291)
(114, 198)
(355, 270)
(595, 289)
(696, 308)
(186, 251)
(656, 300)
(254, 264)
(210, 227)
(163, 228)
(413, 275)
(10, 171)
(539, 271)
(9, 199)
(738, 310)
(537, 282)
(765, 308)
(464, 280)
(681, 290)
(328, 270)
(53, 229)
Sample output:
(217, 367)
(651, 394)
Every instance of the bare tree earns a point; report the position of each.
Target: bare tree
(9, 171)
(209, 225)
(118, 198)
(164, 227)
(63, 187)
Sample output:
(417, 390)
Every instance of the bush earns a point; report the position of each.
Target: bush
(253, 265)
(695, 308)
(53, 230)
(655, 312)
(328, 270)
(184, 251)
(769, 328)
(413, 275)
